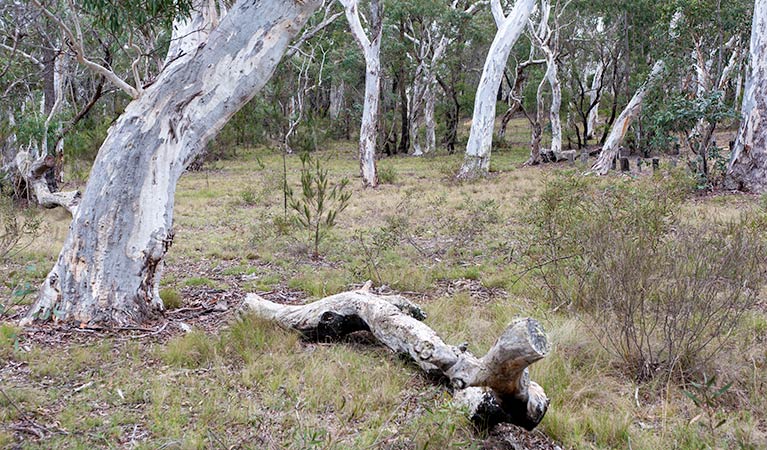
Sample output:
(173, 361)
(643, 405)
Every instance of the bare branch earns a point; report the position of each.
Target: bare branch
(76, 45)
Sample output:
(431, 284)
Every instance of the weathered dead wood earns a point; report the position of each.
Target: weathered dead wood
(495, 388)
(32, 171)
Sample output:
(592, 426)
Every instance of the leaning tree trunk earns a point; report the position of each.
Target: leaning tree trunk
(619, 130)
(747, 170)
(477, 160)
(109, 268)
(493, 389)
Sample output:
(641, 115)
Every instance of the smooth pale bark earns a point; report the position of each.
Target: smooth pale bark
(477, 160)
(371, 50)
(546, 39)
(747, 170)
(423, 95)
(108, 271)
(556, 104)
(594, 98)
(428, 118)
(494, 388)
(621, 127)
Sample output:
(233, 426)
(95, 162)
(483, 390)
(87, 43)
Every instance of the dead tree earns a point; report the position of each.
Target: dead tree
(495, 388)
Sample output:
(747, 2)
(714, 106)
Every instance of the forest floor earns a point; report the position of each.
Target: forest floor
(235, 382)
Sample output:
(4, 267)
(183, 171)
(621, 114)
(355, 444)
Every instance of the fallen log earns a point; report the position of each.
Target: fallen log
(495, 388)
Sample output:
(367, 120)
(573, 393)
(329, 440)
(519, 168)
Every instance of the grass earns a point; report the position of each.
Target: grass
(249, 383)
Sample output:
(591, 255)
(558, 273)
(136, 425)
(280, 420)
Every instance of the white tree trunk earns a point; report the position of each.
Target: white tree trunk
(109, 268)
(429, 121)
(494, 388)
(747, 170)
(621, 126)
(477, 160)
(556, 103)
(369, 122)
(594, 98)
(371, 50)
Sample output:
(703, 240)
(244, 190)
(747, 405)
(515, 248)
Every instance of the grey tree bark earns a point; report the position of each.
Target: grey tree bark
(477, 160)
(494, 388)
(747, 170)
(109, 269)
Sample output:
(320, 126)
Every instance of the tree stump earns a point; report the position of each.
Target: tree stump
(624, 164)
(495, 388)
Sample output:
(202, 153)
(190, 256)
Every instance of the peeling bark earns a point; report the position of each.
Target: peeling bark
(747, 170)
(109, 269)
(477, 160)
(495, 388)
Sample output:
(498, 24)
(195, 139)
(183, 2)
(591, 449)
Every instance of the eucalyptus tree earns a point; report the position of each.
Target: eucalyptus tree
(510, 27)
(632, 110)
(545, 37)
(430, 29)
(110, 266)
(371, 50)
(747, 169)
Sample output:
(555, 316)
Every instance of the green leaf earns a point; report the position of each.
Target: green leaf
(692, 397)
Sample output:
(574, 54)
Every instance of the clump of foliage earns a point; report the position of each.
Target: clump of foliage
(373, 246)
(706, 397)
(691, 122)
(659, 294)
(318, 204)
(17, 229)
(387, 174)
(171, 298)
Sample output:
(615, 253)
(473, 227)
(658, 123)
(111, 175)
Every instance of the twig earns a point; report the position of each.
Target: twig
(538, 266)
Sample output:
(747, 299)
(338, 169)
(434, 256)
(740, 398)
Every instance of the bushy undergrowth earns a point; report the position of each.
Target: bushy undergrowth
(17, 229)
(659, 294)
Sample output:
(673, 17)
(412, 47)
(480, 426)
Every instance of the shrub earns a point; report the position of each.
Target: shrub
(387, 174)
(171, 298)
(17, 231)
(658, 293)
(318, 204)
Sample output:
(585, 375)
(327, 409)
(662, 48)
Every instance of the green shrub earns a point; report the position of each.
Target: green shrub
(17, 229)
(387, 174)
(318, 204)
(659, 294)
(171, 298)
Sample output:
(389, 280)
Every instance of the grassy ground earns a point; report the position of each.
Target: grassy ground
(233, 382)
